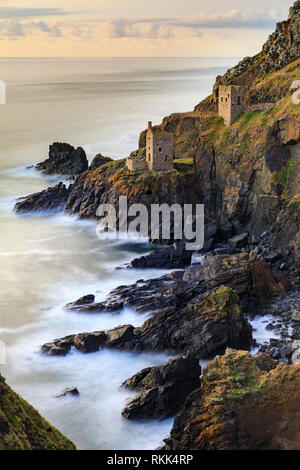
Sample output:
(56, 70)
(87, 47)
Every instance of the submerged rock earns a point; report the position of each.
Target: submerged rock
(72, 391)
(64, 160)
(163, 389)
(83, 301)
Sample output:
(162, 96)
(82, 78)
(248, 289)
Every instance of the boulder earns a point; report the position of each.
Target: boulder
(175, 256)
(64, 160)
(239, 241)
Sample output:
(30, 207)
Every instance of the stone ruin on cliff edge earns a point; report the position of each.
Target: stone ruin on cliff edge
(159, 153)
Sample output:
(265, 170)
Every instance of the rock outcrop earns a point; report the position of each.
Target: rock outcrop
(99, 160)
(53, 198)
(204, 327)
(23, 428)
(163, 389)
(244, 403)
(64, 160)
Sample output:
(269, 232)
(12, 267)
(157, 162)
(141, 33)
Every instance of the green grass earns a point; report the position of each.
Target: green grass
(184, 165)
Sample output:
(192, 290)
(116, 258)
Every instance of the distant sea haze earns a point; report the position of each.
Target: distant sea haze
(101, 104)
(47, 260)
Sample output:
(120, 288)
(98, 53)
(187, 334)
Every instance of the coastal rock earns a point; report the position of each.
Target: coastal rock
(64, 160)
(83, 301)
(204, 327)
(163, 389)
(175, 256)
(98, 161)
(267, 284)
(71, 391)
(54, 197)
(240, 407)
(239, 241)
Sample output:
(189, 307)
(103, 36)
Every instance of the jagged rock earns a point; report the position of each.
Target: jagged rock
(239, 241)
(72, 391)
(175, 256)
(23, 428)
(52, 198)
(64, 160)
(88, 342)
(202, 328)
(163, 389)
(83, 301)
(240, 407)
(98, 161)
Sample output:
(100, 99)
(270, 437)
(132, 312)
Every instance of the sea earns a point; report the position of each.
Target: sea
(50, 258)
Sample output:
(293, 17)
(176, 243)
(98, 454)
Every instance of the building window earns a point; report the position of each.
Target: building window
(159, 149)
(222, 99)
(239, 100)
(166, 158)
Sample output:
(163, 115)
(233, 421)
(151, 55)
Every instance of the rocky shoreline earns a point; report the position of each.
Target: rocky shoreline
(247, 176)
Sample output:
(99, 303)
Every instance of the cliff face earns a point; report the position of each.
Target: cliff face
(245, 403)
(23, 428)
(247, 175)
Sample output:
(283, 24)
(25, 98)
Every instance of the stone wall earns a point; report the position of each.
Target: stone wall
(135, 164)
(258, 108)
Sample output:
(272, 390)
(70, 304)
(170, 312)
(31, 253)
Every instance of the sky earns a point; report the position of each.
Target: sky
(137, 28)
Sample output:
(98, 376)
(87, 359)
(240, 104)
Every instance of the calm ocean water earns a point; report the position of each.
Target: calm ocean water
(48, 260)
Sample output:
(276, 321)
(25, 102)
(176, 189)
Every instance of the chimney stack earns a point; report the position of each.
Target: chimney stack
(149, 124)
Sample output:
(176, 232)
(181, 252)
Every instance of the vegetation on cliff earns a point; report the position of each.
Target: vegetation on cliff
(23, 428)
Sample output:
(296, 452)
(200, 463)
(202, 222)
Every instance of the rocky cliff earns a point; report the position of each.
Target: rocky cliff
(23, 428)
(244, 403)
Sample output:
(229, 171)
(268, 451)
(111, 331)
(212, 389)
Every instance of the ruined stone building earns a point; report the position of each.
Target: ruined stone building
(159, 153)
(230, 103)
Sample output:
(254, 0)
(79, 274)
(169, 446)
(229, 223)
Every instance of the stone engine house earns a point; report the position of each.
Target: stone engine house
(159, 152)
(230, 103)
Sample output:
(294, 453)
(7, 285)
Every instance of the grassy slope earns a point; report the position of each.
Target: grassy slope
(23, 428)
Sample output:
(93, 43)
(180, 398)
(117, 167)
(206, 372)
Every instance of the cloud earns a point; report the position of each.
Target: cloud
(122, 27)
(6, 12)
(155, 27)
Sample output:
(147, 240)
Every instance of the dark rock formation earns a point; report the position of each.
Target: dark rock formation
(23, 428)
(175, 256)
(64, 160)
(52, 198)
(163, 389)
(205, 326)
(71, 391)
(98, 161)
(82, 302)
